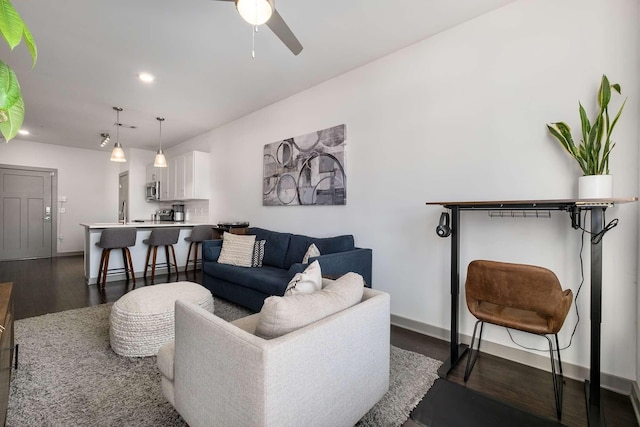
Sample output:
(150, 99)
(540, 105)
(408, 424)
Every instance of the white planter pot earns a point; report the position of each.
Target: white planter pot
(595, 187)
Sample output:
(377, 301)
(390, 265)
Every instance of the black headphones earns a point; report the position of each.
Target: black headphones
(443, 229)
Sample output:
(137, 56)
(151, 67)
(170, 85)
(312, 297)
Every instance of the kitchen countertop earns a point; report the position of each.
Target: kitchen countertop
(143, 224)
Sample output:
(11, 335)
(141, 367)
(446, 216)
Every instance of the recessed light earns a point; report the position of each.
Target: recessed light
(23, 132)
(146, 77)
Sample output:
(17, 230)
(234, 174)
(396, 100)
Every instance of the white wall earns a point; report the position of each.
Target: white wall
(86, 178)
(461, 116)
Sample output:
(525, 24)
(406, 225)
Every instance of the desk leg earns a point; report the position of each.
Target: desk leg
(595, 414)
(457, 350)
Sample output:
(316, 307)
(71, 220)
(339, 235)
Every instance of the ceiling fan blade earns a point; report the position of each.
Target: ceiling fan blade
(284, 33)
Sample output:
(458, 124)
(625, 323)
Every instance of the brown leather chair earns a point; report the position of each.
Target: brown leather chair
(518, 296)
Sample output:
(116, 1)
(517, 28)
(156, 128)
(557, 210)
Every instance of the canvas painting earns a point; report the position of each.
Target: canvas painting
(306, 170)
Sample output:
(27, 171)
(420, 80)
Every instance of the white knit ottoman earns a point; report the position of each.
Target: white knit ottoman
(142, 320)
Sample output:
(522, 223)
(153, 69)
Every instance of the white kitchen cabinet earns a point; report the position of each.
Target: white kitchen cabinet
(159, 174)
(188, 176)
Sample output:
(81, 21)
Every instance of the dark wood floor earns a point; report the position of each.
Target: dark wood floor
(58, 284)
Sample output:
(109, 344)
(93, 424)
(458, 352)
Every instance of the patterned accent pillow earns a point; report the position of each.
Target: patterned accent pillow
(237, 249)
(258, 253)
(311, 252)
(307, 282)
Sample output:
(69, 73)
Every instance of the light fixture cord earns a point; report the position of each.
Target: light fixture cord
(253, 34)
(160, 133)
(117, 126)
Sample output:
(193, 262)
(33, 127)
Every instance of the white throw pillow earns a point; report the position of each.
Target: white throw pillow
(309, 281)
(313, 251)
(237, 249)
(281, 315)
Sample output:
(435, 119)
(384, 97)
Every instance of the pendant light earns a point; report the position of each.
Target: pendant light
(117, 155)
(160, 161)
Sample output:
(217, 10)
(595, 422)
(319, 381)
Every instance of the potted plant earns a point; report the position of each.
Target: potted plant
(13, 29)
(592, 154)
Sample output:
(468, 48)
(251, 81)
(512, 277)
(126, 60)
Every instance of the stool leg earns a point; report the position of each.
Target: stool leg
(166, 256)
(175, 263)
(102, 257)
(195, 258)
(186, 267)
(133, 273)
(126, 263)
(153, 266)
(106, 267)
(146, 263)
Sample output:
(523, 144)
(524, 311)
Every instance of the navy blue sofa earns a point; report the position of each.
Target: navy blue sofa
(283, 253)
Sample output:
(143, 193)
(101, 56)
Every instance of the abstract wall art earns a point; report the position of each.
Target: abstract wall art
(306, 170)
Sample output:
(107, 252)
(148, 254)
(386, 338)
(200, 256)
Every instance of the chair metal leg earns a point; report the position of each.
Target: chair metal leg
(166, 256)
(473, 355)
(558, 379)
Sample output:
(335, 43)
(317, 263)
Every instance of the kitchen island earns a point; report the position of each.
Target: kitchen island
(92, 253)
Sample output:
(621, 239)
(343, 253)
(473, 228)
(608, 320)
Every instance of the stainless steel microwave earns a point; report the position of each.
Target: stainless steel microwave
(153, 191)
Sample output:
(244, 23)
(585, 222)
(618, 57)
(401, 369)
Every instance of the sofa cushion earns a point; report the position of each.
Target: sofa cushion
(258, 253)
(299, 245)
(307, 282)
(237, 250)
(266, 279)
(281, 315)
(275, 249)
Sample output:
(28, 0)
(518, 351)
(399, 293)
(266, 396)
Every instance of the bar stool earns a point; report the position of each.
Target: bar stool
(199, 234)
(166, 237)
(116, 238)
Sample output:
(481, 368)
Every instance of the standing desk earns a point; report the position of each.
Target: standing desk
(575, 207)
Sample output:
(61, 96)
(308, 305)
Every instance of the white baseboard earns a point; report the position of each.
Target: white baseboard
(635, 400)
(576, 372)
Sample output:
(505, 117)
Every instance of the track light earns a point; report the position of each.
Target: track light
(104, 139)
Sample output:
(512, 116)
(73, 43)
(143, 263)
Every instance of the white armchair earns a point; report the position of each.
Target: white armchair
(329, 373)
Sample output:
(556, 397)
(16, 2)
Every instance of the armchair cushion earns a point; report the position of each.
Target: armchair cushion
(281, 315)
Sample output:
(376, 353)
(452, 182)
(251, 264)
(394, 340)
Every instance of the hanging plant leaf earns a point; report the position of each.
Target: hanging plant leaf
(11, 25)
(9, 87)
(31, 45)
(15, 116)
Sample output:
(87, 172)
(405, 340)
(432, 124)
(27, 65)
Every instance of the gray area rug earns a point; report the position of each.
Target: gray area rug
(69, 376)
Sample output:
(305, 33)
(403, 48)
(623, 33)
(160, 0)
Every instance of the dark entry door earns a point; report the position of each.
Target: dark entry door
(26, 209)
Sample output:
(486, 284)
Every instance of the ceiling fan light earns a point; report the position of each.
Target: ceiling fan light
(255, 12)
(117, 155)
(160, 161)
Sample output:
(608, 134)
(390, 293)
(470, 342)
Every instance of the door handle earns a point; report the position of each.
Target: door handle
(47, 213)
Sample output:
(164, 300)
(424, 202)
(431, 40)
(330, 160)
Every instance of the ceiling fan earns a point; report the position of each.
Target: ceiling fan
(258, 12)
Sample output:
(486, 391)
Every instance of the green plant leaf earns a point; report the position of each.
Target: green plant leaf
(31, 45)
(11, 25)
(604, 94)
(15, 116)
(617, 88)
(9, 87)
(584, 121)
